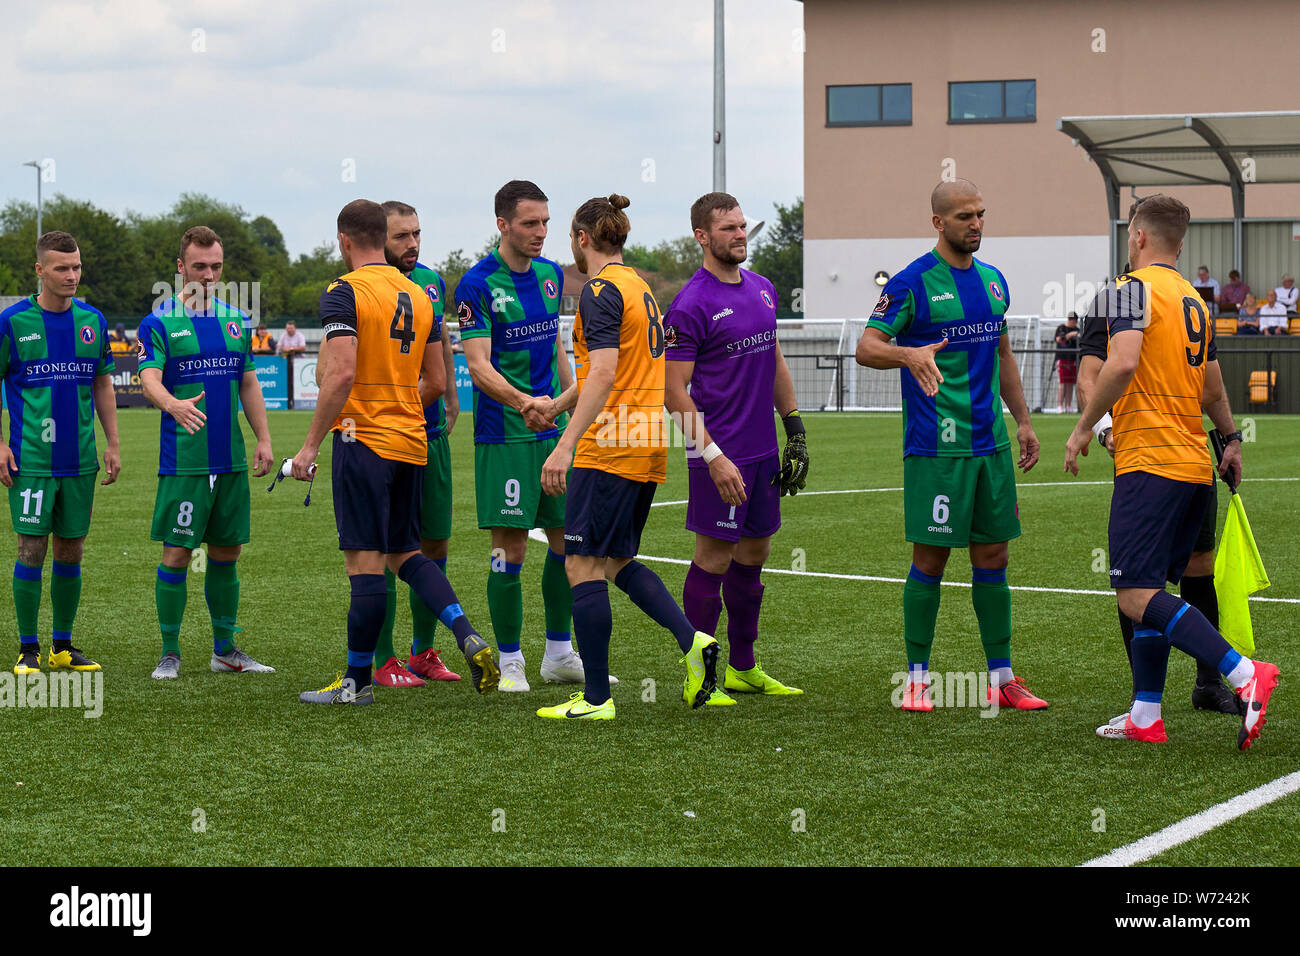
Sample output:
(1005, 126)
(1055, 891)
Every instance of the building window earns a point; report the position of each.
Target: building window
(877, 104)
(996, 101)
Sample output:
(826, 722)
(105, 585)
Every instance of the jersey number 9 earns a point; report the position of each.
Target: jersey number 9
(1194, 319)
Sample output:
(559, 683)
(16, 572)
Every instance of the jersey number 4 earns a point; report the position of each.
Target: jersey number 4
(403, 327)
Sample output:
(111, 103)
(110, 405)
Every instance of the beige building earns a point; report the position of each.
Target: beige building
(900, 95)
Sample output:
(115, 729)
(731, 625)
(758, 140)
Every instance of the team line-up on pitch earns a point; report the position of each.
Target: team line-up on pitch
(579, 450)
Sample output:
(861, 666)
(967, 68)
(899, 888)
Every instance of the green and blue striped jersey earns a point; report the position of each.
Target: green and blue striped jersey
(521, 312)
(925, 303)
(435, 415)
(199, 352)
(49, 361)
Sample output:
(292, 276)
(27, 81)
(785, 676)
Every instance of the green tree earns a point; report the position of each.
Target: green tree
(778, 255)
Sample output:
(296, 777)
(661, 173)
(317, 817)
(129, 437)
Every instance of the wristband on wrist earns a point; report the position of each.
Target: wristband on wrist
(711, 451)
(1235, 436)
(793, 424)
(1103, 423)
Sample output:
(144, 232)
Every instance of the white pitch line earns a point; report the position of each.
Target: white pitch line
(1027, 484)
(1199, 823)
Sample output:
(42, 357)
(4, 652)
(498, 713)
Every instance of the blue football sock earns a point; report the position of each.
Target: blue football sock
(365, 618)
(426, 579)
(592, 624)
(1185, 627)
(648, 593)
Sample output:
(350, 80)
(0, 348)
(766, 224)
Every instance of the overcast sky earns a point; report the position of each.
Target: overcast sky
(273, 104)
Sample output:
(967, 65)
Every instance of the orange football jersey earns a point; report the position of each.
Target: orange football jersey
(1158, 427)
(393, 321)
(629, 436)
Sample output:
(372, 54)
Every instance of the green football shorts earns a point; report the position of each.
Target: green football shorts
(39, 505)
(435, 506)
(189, 509)
(952, 502)
(508, 486)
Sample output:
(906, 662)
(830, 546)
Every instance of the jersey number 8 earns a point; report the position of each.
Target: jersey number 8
(655, 330)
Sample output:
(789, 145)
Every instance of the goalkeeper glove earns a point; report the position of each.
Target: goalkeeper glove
(794, 462)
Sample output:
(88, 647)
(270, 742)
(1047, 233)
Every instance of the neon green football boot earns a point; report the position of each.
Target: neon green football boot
(577, 708)
(701, 670)
(755, 681)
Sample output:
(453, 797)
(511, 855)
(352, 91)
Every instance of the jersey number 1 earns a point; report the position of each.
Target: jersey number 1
(403, 327)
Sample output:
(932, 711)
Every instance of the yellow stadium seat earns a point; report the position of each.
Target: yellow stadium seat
(1262, 384)
(1225, 325)
(1295, 325)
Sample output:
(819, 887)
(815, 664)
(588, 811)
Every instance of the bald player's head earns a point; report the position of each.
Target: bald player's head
(947, 195)
(958, 218)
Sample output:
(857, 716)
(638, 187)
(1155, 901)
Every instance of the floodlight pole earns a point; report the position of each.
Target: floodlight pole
(36, 164)
(719, 101)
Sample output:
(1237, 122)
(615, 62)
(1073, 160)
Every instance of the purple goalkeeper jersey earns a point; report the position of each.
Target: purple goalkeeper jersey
(729, 331)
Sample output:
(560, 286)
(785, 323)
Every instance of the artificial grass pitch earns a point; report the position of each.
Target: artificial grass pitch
(232, 769)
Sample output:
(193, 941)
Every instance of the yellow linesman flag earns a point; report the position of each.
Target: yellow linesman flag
(1238, 573)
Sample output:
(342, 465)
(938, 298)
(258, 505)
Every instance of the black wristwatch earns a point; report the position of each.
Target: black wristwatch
(1101, 439)
(1235, 436)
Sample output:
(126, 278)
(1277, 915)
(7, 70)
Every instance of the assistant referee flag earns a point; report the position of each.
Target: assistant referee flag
(1238, 573)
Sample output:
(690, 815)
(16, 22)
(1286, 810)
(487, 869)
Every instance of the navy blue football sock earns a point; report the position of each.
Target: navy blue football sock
(648, 593)
(1150, 663)
(592, 624)
(426, 579)
(365, 618)
(1198, 591)
(1186, 628)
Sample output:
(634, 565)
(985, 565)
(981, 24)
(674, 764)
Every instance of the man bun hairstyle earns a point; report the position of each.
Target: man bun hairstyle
(200, 236)
(1164, 217)
(55, 241)
(702, 209)
(510, 195)
(365, 223)
(605, 222)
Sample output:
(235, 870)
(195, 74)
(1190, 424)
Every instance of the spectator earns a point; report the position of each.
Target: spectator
(262, 344)
(1287, 293)
(1208, 288)
(1233, 294)
(291, 342)
(1067, 359)
(1248, 317)
(1272, 315)
(118, 341)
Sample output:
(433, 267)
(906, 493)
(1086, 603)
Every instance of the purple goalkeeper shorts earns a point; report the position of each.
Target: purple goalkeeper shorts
(758, 517)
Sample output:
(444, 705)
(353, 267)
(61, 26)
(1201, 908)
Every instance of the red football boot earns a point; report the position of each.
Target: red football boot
(429, 666)
(917, 698)
(1254, 695)
(393, 674)
(1017, 696)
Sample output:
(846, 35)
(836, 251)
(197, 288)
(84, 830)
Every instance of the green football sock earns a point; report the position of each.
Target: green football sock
(65, 597)
(384, 649)
(27, 600)
(920, 611)
(221, 588)
(506, 605)
(557, 597)
(169, 594)
(992, 599)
